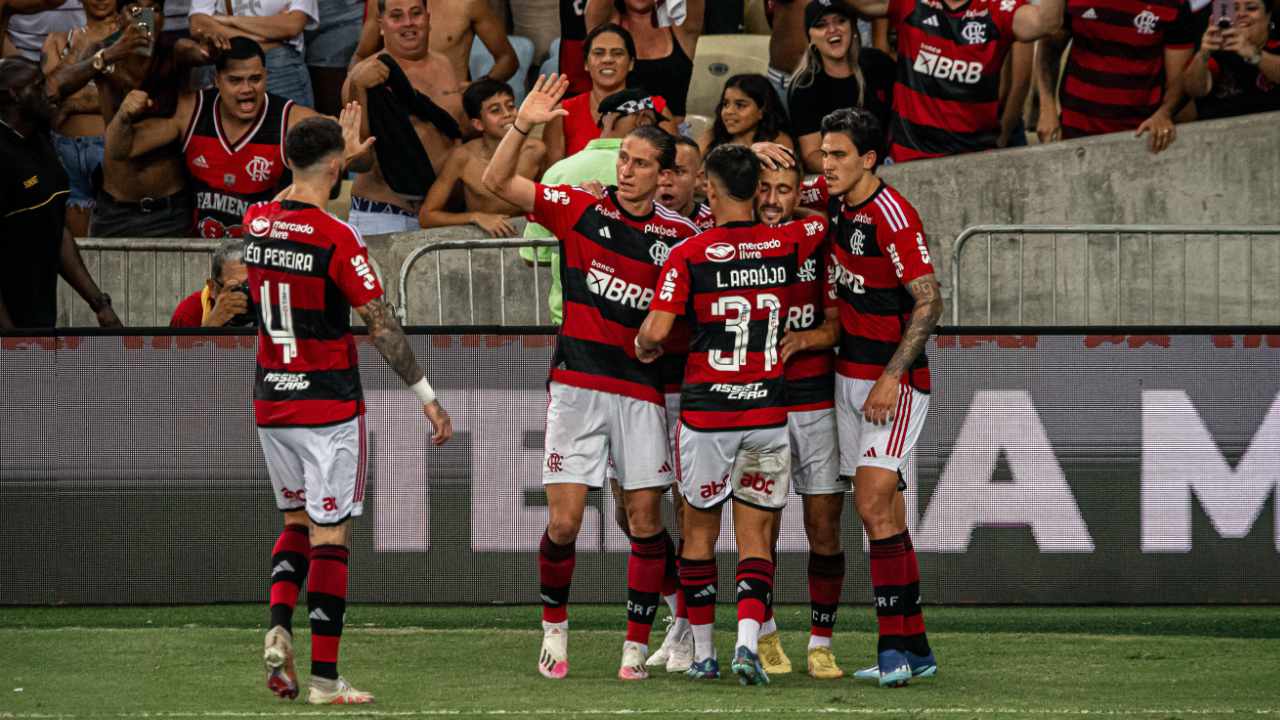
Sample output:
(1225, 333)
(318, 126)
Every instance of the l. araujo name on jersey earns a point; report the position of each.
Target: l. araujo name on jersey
(609, 268)
(307, 270)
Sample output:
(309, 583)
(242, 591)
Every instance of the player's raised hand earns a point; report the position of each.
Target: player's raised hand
(350, 119)
(541, 104)
(881, 401)
(441, 425)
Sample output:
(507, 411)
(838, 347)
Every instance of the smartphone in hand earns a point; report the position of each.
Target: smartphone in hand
(1223, 15)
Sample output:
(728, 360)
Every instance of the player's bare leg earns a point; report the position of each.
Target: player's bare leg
(698, 583)
(290, 559)
(327, 603)
(895, 576)
(645, 569)
(556, 556)
(753, 532)
(822, 515)
(772, 656)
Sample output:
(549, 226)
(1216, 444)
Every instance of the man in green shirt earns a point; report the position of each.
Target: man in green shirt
(620, 113)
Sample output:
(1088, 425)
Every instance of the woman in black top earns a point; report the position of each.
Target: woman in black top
(749, 112)
(1237, 70)
(664, 54)
(835, 73)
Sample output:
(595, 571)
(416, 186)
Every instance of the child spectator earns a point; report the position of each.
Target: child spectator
(749, 112)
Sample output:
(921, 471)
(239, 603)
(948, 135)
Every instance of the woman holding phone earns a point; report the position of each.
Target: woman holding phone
(1237, 70)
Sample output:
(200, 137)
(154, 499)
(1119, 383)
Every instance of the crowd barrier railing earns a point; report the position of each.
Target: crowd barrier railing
(1153, 235)
(501, 246)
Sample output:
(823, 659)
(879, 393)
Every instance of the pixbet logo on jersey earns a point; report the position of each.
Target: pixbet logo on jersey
(602, 282)
(930, 61)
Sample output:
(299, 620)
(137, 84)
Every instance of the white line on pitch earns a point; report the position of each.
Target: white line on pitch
(540, 712)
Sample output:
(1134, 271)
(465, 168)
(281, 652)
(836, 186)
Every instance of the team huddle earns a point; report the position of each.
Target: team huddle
(782, 347)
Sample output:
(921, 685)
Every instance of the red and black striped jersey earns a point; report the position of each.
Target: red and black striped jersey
(1115, 71)
(307, 269)
(228, 177)
(733, 284)
(810, 380)
(609, 263)
(947, 98)
(814, 194)
(703, 217)
(877, 248)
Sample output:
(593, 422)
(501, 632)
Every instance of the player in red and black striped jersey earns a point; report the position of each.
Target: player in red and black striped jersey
(306, 271)
(733, 284)
(950, 54)
(884, 303)
(605, 408)
(1124, 71)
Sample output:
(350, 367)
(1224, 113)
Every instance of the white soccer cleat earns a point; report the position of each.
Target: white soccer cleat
(680, 656)
(336, 692)
(553, 661)
(277, 655)
(632, 667)
(658, 657)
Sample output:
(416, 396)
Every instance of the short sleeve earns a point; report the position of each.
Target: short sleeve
(814, 195)
(1182, 33)
(906, 245)
(203, 7)
(558, 207)
(310, 8)
(1004, 18)
(829, 285)
(673, 284)
(352, 272)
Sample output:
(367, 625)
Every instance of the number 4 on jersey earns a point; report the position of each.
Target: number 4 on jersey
(283, 335)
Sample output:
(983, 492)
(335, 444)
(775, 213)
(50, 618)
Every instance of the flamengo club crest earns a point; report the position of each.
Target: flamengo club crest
(974, 33)
(1146, 21)
(659, 252)
(258, 169)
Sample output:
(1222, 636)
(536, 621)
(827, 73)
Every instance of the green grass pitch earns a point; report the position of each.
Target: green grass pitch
(427, 662)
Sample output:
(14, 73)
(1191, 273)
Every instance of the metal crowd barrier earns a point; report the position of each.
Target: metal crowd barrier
(501, 245)
(141, 282)
(1164, 232)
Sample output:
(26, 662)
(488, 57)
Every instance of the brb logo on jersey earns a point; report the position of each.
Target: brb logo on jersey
(1146, 21)
(602, 281)
(258, 169)
(930, 61)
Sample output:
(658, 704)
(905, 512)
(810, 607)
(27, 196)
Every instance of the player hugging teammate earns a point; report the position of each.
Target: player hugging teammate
(763, 298)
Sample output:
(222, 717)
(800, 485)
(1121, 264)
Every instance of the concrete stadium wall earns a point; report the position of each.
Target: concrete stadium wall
(1224, 172)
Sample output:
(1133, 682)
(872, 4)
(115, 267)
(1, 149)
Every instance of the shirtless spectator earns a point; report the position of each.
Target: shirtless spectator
(491, 107)
(79, 125)
(413, 107)
(454, 26)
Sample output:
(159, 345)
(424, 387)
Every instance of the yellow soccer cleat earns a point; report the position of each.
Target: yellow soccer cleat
(822, 664)
(774, 660)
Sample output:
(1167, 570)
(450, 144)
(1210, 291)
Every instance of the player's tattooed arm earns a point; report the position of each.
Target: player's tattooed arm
(390, 340)
(924, 319)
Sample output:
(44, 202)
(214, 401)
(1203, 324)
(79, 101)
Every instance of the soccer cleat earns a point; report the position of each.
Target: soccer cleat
(336, 692)
(708, 669)
(681, 655)
(774, 660)
(746, 665)
(895, 671)
(277, 655)
(632, 662)
(553, 662)
(921, 667)
(659, 656)
(822, 664)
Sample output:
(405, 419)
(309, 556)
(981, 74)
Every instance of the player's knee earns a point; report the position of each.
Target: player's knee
(329, 534)
(620, 517)
(564, 529)
(823, 534)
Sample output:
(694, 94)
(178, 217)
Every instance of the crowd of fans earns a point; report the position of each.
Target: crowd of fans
(168, 116)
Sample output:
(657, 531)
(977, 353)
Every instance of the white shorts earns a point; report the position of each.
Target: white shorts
(592, 435)
(319, 468)
(751, 466)
(815, 466)
(866, 444)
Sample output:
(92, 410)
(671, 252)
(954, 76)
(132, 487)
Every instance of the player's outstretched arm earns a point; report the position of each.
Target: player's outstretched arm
(924, 320)
(394, 346)
(823, 337)
(653, 332)
(539, 106)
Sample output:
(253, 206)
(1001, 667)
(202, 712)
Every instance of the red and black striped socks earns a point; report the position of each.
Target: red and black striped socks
(327, 602)
(755, 597)
(826, 579)
(698, 582)
(555, 573)
(645, 570)
(289, 561)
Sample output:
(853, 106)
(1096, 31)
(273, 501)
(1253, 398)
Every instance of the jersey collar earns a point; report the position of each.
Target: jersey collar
(612, 192)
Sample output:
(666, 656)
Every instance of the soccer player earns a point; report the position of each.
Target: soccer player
(605, 407)
(887, 304)
(307, 270)
(733, 283)
(677, 192)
